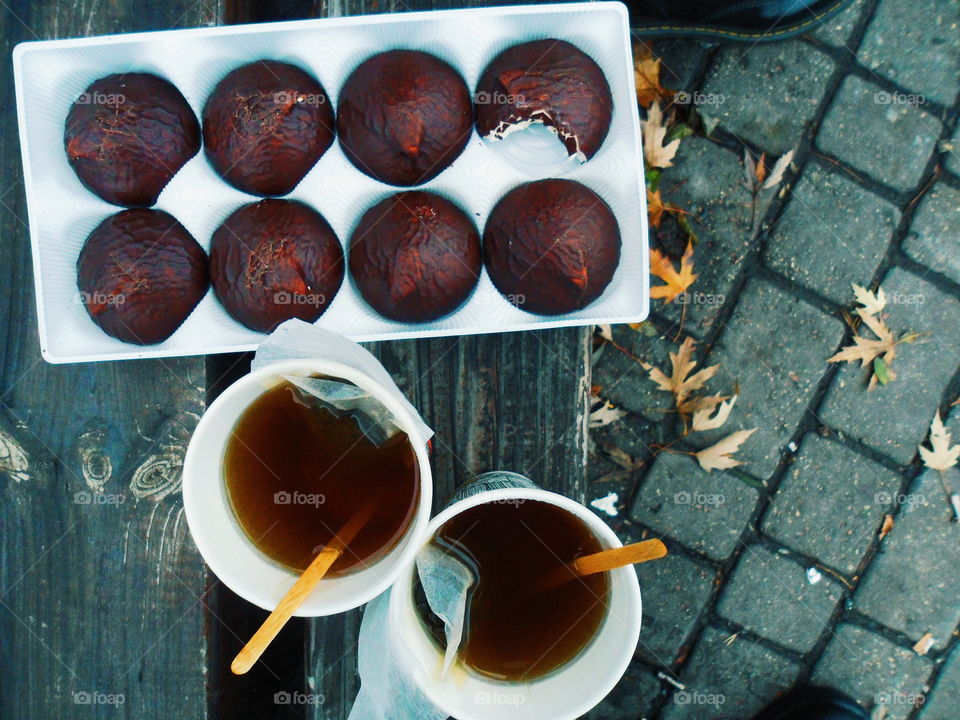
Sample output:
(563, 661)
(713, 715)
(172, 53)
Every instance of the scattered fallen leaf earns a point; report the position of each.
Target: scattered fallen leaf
(604, 415)
(872, 303)
(646, 74)
(877, 352)
(655, 152)
(606, 332)
(923, 645)
(749, 169)
(776, 173)
(655, 208)
(680, 382)
(941, 456)
(761, 169)
(720, 455)
(703, 420)
(677, 281)
(886, 527)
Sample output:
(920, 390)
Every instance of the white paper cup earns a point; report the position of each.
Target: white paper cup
(226, 548)
(566, 693)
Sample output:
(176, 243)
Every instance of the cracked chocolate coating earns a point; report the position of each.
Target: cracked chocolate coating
(551, 246)
(404, 116)
(415, 257)
(274, 260)
(550, 81)
(140, 274)
(127, 135)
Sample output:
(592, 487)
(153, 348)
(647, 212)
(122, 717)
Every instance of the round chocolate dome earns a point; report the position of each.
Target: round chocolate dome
(274, 260)
(140, 274)
(415, 257)
(404, 116)
(127, 135)
(265, 125)
(551, 246)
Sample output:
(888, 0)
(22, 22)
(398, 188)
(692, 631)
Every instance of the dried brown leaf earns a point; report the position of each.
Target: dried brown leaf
(719, 456)
(677, 281)
(655, 152)
(886, 526)
(703, 420)
(941, 456)
(923, 645)
(776, 173)
(680, 383)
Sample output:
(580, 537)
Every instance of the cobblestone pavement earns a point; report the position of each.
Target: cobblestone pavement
(777, 574)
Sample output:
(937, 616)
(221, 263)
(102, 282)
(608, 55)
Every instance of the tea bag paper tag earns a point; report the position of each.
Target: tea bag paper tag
(387, 692)
(445, 581)
(296, 339)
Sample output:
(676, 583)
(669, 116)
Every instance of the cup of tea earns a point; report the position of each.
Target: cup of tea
(272, 473)
(531, 647)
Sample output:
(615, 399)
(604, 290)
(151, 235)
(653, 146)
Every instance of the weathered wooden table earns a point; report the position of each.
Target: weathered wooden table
(106, 608)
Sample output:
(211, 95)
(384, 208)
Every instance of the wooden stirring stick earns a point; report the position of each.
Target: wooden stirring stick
(295, 596)
(605, 560)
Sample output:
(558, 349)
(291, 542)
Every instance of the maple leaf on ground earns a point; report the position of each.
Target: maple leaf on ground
(655, 153)
(680, 382)
(704, 419)
(677, 281)
(604, 414)
(719, 456)
(880, 350)
(872, 303)
(655, 208)
(646, 76)
(941, 456)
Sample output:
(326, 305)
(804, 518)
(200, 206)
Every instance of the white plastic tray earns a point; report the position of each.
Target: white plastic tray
(49, 75)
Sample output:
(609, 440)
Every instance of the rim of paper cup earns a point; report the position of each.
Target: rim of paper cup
(246, 586)
(400, 597)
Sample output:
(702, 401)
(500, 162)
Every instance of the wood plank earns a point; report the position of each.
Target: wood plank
(95, 597)
(514, 401)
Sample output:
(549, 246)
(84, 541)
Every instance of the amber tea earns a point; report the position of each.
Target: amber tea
(514, 629)
(295, 473)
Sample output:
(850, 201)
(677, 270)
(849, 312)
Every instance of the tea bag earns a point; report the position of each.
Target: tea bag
(344, 399)
(296, 339)
(387, 692)
(446, 582)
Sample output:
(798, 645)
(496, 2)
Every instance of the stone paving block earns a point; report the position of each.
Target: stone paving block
(941, 702)
(681, 58)
(729, 680)
(618, 452)
(775, 347)
(873, 670)
(623, 381)
(770, 92)
(895, 418)
(934, 237)
(837, 30)
(920, 563)
(705, 511)
(952, 155)
(831, 503)
(709, 184)
(832, 233)
(914, 44)
(771, 595)
(632, 698)
(675, 589)
(877, 135)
